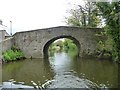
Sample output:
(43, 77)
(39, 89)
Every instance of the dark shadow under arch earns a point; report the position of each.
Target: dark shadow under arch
(46, 47)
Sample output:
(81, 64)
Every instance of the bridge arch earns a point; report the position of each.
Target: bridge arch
(46, 46)
(35, 43)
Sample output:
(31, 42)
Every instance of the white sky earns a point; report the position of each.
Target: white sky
(34, 14)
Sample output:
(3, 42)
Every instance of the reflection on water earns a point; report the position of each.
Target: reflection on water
(27, 71)
(98, 71)
(61, 63)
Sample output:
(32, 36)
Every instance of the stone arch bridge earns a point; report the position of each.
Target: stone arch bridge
(35, 43)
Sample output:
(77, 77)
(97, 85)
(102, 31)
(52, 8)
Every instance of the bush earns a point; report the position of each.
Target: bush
(12, 55)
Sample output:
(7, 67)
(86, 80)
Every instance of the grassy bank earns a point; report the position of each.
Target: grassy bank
(12, 55)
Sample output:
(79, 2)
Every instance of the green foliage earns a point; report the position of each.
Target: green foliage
(84, 16)
(65, 46)
(101, 45)
(104, 42)
(70, 48)
(12, 55)
(110, 12)
(72, 51)
(67, 42)
(55, 45)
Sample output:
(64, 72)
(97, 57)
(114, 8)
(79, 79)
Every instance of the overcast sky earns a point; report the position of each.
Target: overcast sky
(34, 14)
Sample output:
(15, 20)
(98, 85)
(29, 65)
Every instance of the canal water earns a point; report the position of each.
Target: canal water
(63, 69)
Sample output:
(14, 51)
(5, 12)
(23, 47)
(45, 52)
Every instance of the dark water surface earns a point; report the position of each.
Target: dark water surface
(61, 64)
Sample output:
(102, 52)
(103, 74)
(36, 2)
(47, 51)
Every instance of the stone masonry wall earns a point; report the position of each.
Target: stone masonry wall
(32, 42)
(5, 45)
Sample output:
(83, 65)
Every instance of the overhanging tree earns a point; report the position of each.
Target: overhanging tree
(84, 16)
(111, 14)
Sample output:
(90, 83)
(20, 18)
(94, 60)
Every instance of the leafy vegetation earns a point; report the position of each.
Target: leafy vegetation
(70, 48)
(104, 45)
(12, 55)
(84, 16)
(91, 15)
(110, 12)
(63, 46)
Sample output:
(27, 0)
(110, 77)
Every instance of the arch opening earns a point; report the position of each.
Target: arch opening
(47, 45)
